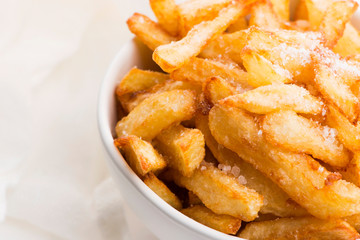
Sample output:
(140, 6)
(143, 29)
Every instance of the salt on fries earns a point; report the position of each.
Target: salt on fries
(256, 118)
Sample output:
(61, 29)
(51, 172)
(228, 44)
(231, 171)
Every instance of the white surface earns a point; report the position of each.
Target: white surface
(53, 180)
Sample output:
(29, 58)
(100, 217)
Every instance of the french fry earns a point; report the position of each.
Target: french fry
(352, 171)
(336, 16)
(276, 201)
(261, 71)
(221, 193)
(216, 88)
(162, 191)
(223, 223)
(193, 199)
(148, 31)
(141, 155)
(322, 193)
(284, 128)
(348, 134)
(172, 56)
(336, 91)
(354, 221)
(282, 9)
(263, 15)
(156, 113)
(167, 13)
(316, 10)
(240, 24)
(270, 98)
(301, 12)
(299, 228)
(199, 69)
(183, 148)
(349, 43)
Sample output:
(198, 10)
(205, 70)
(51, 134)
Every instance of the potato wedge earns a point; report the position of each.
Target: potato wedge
(167, 14)
(321, 192)
(138, 80)
(263, 15)
(156, 113)
(276, 201)
(148, 31)
(223, 223)
(299, 228)
(270, 98)
(141, 155)
(352, 171)
(296, 133)
(162, 191)
(172, 56)
(183, 148)
(221, 193)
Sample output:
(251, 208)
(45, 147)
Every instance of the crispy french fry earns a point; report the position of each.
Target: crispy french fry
(141, 155)
(274, 97)
(301, 12)
(295, 133)
(162, 191)
(221, 193)
(183, 148)
(167, 13)
(352, 171)
(156, 113)
(148, 31)
(349, 43)
(172, 56)
(282, 9)
(193, 199)
(263, 15)
(276, 201)
(199, 69)
(319, 191)
(240, 24)
(354, 221)
(299, 228)
(216, 88)
(336, 16)
(348, 134)
(316, 10)
(261, 71)
(223, 223)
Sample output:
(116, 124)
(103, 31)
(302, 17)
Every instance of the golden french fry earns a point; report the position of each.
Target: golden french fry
(301, 12)
(261, 71)
(319, 191)
(156, 113)
(316, 10)
(239, 24)
(141, 155)
(274, 97)
(162, 191)
(348, 134)
(193, 199)
(276, 201)
(282, 9)
(223, 223)
(197, 70)
(263, 15)
(172, 56)
(354, 221)
(295, 133)
(148, 31)
(299, 228)
(183, 148)
(336, 91)
(351, 172)
(216, 88)
(167, 13)
(336, 16)
(221, 193)
(349, 43)
(138, 80)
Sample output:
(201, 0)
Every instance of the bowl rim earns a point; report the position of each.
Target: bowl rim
(103, 120)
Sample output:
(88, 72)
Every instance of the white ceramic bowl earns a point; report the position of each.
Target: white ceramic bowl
(160, 218)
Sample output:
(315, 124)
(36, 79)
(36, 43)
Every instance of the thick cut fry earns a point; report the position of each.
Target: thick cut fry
(274, 97)
(316, 10)
(349, 43)
(354, 221)
(221, 193)
(299, 228)
(162, 191)
(276, 201)
(295, 133)
(263, 15)
(348, 134)
(138, 80)
(352, 171)
(172, 56)
(183, 148)
(216, 88)
(167, 13)
(282, 9)
(336, 91)
(156, 113)
(336, 16)
(199, 69)
(301, 12)
(130, 102)
(238, 25)
(304, 179)
(261, 71)
(148, 31)
(141, 155)
(193, 199)
(223, 223)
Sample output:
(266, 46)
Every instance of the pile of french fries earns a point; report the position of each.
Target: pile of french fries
(253, 127)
